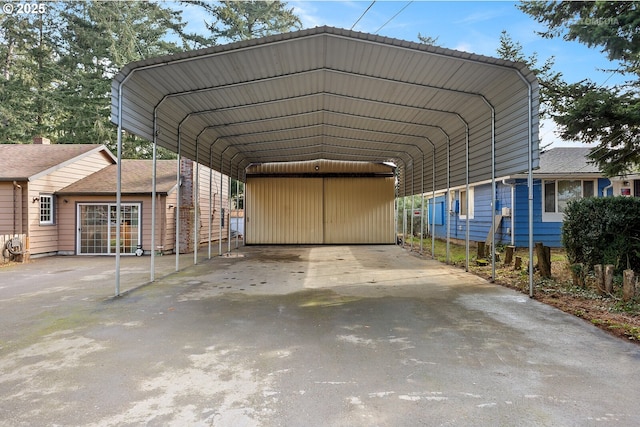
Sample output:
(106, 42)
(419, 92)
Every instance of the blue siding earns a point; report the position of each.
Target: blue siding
(548, 233)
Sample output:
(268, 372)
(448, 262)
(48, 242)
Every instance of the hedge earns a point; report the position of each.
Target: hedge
(603, 231)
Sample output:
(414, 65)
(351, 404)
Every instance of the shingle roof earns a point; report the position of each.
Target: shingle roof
(23, 161)
(136, 179)
(566, 160)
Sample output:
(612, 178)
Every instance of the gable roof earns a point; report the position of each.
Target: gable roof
(136, 179)
(25, 162)
(566, 160)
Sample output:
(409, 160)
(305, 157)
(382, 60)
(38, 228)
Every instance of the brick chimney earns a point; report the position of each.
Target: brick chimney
(40, 140)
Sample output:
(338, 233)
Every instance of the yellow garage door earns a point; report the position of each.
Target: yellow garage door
(358, 210)
(331, 210)
(284, 211)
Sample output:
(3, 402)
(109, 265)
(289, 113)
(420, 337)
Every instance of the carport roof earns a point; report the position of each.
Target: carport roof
(328, 93)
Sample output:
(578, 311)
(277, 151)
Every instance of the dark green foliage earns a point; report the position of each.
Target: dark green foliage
(585, 111)
(603, 231)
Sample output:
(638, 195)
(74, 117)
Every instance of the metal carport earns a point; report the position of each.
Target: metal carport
(446, 118)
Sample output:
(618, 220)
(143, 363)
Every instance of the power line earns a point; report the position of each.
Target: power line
(390, 19)
(363, 13)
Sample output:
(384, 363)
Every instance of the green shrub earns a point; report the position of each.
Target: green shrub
(603, 231)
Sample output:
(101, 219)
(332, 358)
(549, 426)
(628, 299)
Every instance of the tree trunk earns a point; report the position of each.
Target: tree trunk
(508, 255)
(480, 252)
(608, 279)
(518, 263)
(628, 285)
(597, 269)
(544, 260)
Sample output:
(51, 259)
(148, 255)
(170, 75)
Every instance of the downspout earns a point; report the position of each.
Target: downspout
(607, 188)
(15, 204)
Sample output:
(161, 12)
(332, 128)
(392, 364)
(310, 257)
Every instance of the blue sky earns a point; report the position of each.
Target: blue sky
(472, 26)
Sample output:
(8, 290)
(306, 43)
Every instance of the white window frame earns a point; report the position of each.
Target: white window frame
(557, 215)
(471, 203)
(46, 209)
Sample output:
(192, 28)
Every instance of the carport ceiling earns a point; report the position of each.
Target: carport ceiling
(328, 93)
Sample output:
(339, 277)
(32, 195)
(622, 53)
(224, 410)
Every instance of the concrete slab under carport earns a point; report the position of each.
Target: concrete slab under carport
(290, 336)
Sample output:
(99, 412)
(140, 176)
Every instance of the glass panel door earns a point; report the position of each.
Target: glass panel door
(97, 228)
(94, 229)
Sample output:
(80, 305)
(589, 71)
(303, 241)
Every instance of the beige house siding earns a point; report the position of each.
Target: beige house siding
(13, 221)
(165, 220)
(44, 238)
(213, 183)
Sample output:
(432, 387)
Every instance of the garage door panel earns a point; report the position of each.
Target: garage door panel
(284, 211)
(358, 210)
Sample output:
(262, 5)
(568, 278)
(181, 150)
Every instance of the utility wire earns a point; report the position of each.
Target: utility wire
(391, 19)
(363, 13)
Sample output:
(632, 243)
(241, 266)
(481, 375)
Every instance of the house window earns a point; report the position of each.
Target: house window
(46, 209)
(558, 193)
(463, 203)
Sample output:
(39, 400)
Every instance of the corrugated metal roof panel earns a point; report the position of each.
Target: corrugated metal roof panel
(335, 94)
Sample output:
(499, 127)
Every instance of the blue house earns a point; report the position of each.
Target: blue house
(564, 174)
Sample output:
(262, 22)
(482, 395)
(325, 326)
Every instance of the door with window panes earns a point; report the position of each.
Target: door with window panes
(97, 228)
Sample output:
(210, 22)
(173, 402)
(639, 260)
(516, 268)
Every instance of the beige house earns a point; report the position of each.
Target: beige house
(60, 199)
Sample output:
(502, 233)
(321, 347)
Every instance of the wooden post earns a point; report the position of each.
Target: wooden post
(577, 274)
(608, 279)
(518, 263)
(508, 255)
(597, 269)
(628, 285)
(480, 251)
(544, 259)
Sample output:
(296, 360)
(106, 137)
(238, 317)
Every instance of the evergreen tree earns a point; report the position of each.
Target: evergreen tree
(244, 20)
(586, 111)
(548, 79)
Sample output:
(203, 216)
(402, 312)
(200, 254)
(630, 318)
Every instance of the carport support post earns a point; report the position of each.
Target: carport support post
(448, 199)
(221, 215)
(177, 208)
(153, 199)
(493, 190)
(196, 206)
(422, 208)
(210, 196)
(413, 198)
(119, 183)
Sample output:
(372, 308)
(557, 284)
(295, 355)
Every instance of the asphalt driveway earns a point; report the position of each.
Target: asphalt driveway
(298, 336)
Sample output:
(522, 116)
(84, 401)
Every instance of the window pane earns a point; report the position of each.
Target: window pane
(463, 202)
(568, 190)
(550, 196)
(587, 189)
(46, 209)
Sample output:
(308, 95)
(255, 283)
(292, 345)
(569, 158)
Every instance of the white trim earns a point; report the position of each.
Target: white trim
(558, 216)
(51, 209)
(110, 226)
